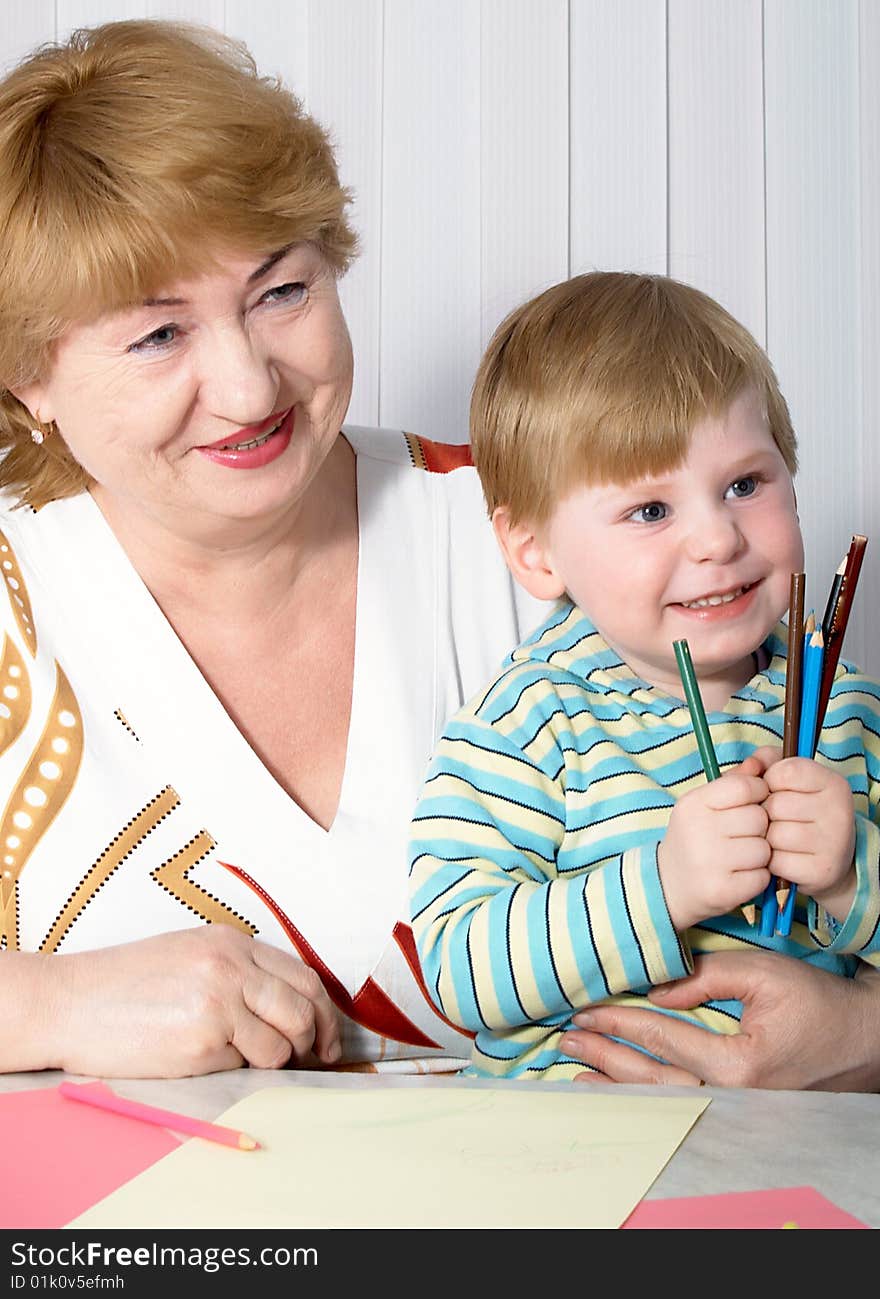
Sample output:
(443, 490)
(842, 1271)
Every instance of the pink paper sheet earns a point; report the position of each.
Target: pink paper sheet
(59, 1157)
(790, 1206)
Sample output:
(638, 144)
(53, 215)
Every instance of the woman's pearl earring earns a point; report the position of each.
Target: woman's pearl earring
(38, 436)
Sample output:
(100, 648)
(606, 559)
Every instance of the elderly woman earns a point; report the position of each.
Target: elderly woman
(234, 627)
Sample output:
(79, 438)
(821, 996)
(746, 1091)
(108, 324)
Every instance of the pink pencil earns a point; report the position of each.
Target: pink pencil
(107, 1100)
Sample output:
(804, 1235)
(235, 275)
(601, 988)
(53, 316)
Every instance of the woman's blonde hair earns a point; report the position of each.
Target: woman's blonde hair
(128, 155)
(601, 379)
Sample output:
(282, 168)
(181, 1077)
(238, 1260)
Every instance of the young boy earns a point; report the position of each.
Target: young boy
(637, 459)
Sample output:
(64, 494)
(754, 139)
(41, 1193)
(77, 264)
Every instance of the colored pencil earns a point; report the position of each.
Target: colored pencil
(814, 657)
(107, 1100)
(782, 888)
(833, 599)
(695, 706)
(837, 631)
(794, 667)
(776, 892)
(698, 718)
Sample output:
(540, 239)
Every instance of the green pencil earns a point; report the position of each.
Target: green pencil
(695, 705)
(701, 730)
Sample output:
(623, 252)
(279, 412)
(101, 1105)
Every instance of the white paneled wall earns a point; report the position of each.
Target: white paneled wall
(496, 146)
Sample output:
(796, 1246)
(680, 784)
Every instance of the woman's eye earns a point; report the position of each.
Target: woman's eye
(653, 512)
(287, 293)
(743, 487)
(158, 339)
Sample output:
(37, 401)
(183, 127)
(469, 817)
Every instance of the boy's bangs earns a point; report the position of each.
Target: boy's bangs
(623, 436)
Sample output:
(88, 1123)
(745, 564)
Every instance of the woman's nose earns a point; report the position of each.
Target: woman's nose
(238, 380)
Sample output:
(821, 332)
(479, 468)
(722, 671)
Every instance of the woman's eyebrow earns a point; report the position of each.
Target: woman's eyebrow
(263, 269)
(272, 260)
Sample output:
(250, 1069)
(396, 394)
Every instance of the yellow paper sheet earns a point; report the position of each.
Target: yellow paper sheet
(413, 1157)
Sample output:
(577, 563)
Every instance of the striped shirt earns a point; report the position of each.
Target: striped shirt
(534, 886)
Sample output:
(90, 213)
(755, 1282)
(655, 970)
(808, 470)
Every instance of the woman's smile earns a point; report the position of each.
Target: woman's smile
(253, 452)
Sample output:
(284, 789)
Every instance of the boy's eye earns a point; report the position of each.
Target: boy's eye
(743, 487)
(653, 512)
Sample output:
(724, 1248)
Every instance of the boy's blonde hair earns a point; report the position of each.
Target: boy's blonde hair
(128, 155)
(601, 379)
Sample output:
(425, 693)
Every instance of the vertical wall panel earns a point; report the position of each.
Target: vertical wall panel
(524, 156)
(618, 135)
(277, 36)
(345, 92)
(26, 24)
(89, 13)
(716, 153)
(431, 215)
(868, 599)
(811, 81)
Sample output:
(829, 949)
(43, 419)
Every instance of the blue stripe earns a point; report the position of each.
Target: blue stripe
(539, 949)
(499, 958)
(627, 947)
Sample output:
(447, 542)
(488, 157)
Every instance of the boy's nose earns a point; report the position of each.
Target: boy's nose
(715, 538)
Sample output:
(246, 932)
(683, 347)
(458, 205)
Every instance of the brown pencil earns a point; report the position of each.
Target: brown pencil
(837, 631)
(795, 665)
(793, 673)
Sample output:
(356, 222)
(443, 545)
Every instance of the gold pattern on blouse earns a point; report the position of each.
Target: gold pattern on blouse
(15, 694)
(37, 798)
(173, 876)
(120, 847)
(415, 451)
(18, 596)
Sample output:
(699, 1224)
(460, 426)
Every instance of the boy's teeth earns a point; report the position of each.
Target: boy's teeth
(714, 599)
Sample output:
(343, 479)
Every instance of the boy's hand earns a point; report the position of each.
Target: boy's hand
(715, 855)
(812, 831)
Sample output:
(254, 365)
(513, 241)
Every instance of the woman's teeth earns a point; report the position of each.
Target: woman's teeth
(254, 442)
(715, 599)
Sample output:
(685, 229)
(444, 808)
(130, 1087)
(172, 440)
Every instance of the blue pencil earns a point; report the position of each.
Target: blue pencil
(776, 892)
(814, 657)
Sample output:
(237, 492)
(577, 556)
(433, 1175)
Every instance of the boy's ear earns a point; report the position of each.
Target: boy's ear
(527, 556)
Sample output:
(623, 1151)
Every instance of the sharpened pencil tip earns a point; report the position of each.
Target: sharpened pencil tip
(247, 1143)
(782, 897)
(750, 911)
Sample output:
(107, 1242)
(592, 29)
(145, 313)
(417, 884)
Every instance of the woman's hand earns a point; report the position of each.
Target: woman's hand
(185, 1003)
(801, 1028)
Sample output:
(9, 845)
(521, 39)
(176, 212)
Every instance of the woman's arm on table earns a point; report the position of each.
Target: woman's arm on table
(801, 1029)
(176, 1005)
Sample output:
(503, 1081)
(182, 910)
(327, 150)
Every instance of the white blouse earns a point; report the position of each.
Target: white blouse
(132, 803)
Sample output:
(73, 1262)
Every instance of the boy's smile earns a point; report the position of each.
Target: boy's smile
(704, 551)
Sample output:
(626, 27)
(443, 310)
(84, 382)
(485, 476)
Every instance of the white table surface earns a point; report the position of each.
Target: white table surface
(745, 1140)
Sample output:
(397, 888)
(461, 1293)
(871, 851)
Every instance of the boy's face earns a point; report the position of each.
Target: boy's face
(704, 552)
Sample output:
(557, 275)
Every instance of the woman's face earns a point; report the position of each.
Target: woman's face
(217, 400)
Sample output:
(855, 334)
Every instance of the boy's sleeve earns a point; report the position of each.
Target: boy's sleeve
(503, 938)
(859, 933)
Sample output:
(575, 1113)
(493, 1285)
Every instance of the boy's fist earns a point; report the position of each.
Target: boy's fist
(715, 855)
(812, 831)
